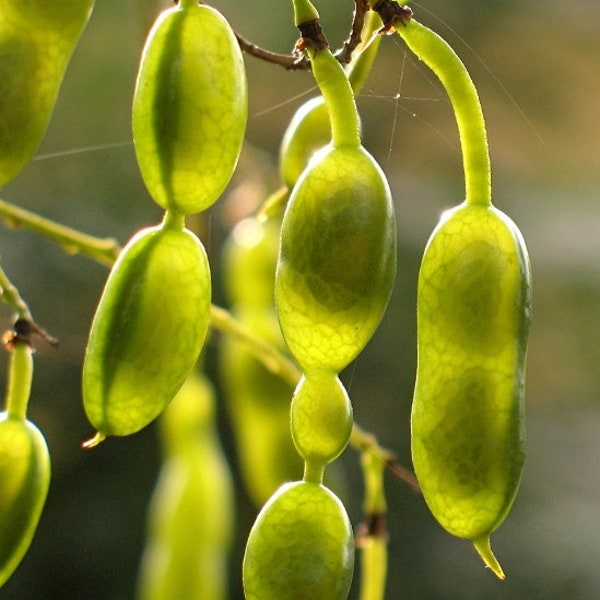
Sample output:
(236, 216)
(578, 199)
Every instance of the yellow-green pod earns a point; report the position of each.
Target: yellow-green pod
(190, 107)
(190, 523)
(148, 329)
(258, 399)
(300, 547)
(37, 39)
(24, 482)
(258, 403)
(308, 131)
(337, 261)
(474, 304)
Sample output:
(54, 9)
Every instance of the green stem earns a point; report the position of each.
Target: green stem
(374, 559)
(188, 3)
(267, 353)
(339, 98)
(72, 241)
(373, 542)
(373, 467)
(367, 444)
(313, 473)
(19, 381)
(443, 61)
(11, 296)
(173, 220)
(360, 67)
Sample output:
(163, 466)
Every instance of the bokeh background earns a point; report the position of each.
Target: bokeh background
(536, 65)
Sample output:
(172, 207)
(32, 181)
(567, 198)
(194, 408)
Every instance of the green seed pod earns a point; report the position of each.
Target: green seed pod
(474, 303)
(37, 39)
(258, 403)
(24, 482)
(258, 400)
(321, 418)
(190, 107)
(148, 330)
(337, 260)
(308, 131)
(300, 547)
(249, 261)
(191, 513)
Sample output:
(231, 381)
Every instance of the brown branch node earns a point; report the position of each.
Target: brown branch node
(391, 14)
(374, 526)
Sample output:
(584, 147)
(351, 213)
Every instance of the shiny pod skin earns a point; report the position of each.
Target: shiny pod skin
(189, 108)
(300, 547)
(191, 514)
(337, 259)
(148, 330)
(474, 304)
(37, 39)
(24, 482)
(321, 418)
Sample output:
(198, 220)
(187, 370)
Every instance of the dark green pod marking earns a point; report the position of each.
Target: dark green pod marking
(148, 330)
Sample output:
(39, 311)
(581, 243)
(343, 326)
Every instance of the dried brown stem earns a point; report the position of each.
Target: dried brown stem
(287, 61)
(345, 54)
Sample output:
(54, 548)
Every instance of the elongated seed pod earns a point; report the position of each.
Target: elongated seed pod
(337, 261)
(189, 108)
(191, 515)
(258, 399)
(474, 304)
(148, 330)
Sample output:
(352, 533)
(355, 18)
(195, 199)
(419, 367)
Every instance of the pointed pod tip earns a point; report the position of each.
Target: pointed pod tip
(93, 441)
(484, 549)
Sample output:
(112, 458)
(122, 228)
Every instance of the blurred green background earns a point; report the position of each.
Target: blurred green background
(536, 66)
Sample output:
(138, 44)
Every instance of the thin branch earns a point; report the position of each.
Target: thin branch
(298, 61)
(11, 296)
(274, 360)
(367, 442)
(287, 61)
(71, 241)
(345, 54)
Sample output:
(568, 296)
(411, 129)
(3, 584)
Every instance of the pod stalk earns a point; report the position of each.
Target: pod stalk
(447, 66)
(19, 381)
(339, 98)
